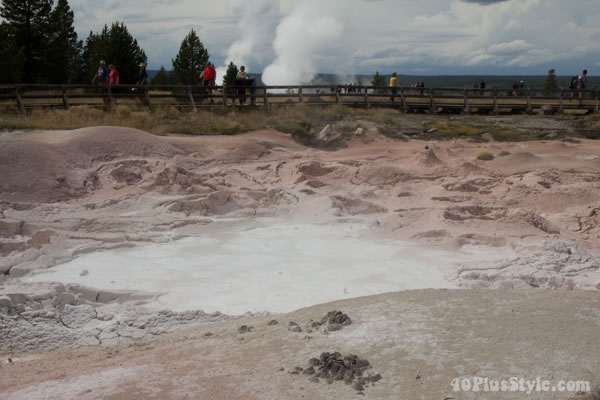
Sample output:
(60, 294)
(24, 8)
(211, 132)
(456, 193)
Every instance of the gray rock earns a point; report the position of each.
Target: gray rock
(245, 329)
(294, 327)
(309, 371)
(334, 327)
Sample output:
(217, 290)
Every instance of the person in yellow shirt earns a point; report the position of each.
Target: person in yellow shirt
(394, 85)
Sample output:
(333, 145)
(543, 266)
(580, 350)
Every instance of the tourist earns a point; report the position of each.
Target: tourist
(394, 85)
(101, 76)
(574, 85)
(583, 84)
(242, 75)
(142, 80)
(522, 88)
(113, 76)
(113, 79)
(101, 79)
(209, 77)
(481, 87)
(142, 75)
(515, 88)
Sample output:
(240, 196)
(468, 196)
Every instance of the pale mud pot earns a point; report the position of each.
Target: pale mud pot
(138, 266)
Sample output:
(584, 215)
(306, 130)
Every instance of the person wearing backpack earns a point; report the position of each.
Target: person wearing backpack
(573, 85)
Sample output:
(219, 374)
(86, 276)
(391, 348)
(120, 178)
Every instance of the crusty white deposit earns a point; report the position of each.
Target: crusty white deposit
(532, 217)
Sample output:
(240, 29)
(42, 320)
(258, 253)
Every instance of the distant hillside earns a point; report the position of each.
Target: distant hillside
(456, 81)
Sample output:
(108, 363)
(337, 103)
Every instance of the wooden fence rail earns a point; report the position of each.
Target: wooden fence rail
(25, 97)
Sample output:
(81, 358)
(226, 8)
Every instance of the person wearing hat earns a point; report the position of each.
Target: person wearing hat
(101, 79)
(102, 73)
(143, 75)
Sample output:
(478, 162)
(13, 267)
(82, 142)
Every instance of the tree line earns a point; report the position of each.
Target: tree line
(39, 44)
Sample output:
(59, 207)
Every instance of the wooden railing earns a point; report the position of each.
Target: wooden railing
(26, 97)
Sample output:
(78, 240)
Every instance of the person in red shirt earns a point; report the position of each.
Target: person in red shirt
(113, 76)
(209, 76)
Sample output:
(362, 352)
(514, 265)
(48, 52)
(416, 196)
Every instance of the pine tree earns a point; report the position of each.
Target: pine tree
(191, 60)
(164, 77)
(550, 85)
(30, 23)
(114, 45)
(12, 57)
(230, 75)
(378, 81)
(64, 61)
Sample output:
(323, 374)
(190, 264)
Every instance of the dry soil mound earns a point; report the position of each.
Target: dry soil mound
(35, 170)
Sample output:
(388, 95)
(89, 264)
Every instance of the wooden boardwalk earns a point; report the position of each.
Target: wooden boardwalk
(23, 98)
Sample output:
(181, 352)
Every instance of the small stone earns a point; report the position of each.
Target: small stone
(334, 327)
(418, 377)
(359, 132)
(309, 371)
(85, 272)
(207, 334)
(294, 327)
(245, 329)
(314, 379)
(281, 369)
(272, 322)
(357, 386)
(314, 362)
(375, 378)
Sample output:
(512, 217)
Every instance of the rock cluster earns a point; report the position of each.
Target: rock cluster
(335, 321)
(336, 367)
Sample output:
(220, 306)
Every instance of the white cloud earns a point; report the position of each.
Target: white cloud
(412, 35)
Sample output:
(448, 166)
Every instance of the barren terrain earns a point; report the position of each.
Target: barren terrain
(525, 224)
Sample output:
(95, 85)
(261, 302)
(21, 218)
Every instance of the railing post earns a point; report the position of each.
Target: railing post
(300, 97)
(192, 102)
(596, 105)
(225, 98)
(431, 101)
(367, 103)
(65, 99)
(266, 100)
(560, 106)
(20, 104)
(529, 108)
(466, 109)
(147, 98)
(495, 94)
(403, 100)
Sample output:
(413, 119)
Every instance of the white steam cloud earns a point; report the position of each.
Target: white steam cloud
(257, 21)
(300, 39)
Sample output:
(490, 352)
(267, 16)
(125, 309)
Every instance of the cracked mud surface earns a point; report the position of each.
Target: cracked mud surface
(68, 193)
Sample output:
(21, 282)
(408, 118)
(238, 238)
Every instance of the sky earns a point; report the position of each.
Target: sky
(285, 38)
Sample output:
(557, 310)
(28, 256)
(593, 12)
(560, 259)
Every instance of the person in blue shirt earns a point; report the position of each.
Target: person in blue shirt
(101, 78)
(143, 75)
